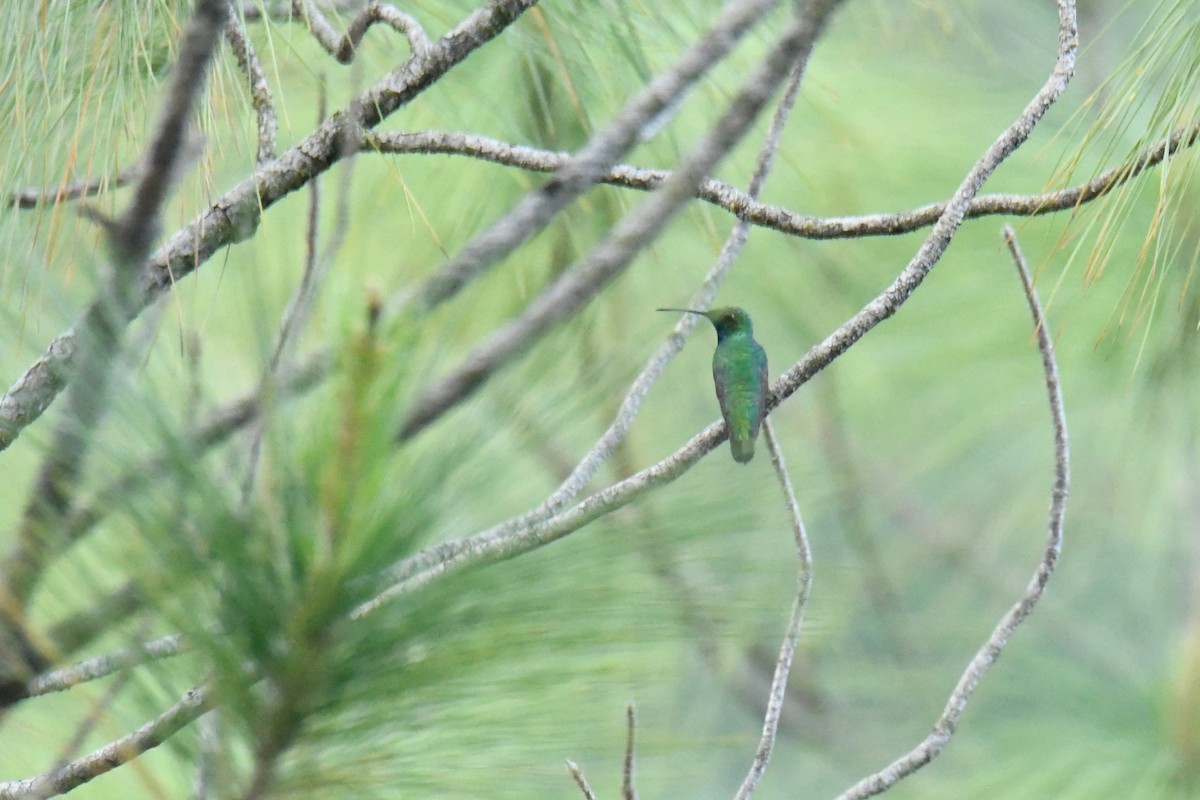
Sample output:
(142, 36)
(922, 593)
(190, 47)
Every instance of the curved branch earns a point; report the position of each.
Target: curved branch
(947, 723)
(344, 46)
(746, 207)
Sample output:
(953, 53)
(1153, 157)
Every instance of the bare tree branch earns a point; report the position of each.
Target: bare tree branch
(62, 679)
(194, 703)
(947, 723)
(577, 286)
(628, 783)
(702, 299)
(787, 650)
(599, 453)
(580, 781)
(234, 216)
(935, 244)
(33, 198)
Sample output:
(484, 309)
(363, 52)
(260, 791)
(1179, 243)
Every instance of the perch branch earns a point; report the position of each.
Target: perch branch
(702, 299)
(587, 467)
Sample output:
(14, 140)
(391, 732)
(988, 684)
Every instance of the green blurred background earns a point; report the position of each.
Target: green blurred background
(922, 458)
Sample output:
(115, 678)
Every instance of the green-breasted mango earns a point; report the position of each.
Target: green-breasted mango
(740, 375)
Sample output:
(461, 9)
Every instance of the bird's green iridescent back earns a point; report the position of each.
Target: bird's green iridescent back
(740, 374)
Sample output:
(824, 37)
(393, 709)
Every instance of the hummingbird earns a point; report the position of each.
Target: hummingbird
(740, 374)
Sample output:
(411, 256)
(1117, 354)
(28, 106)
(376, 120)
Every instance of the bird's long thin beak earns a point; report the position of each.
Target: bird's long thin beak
(684, 310)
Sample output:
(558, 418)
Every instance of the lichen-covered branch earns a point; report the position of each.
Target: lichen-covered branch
(746, 207)
(191, 706)
(260, 90)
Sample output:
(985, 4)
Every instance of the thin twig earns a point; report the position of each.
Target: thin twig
(342, 47)
(503, 541)
(636, 230)
(100, 707)
(195, 702)
(947, 723)
(63, 679)
(208, 756)
(234, 216)
(33, 198)
(628, 781)
(579, 172)
(580, 781)
(787, 650)
(746, 207)
(260, 90)
(295, 316)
